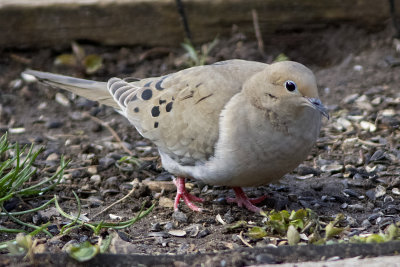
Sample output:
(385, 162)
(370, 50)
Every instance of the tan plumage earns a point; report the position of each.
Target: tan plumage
(234, 123)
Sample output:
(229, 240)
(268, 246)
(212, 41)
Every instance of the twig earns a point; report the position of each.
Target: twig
(260, 42)
(115, 203)
(114, 134)
(394, 19)
(79, 168)
(182, 14)
(244, 241)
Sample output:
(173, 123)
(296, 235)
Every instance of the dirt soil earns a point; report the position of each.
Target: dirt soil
(354, 168)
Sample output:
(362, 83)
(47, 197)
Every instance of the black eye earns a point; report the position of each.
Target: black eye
(290, 86)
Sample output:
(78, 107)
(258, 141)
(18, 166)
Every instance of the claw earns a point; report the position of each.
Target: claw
(187, 198)
(242, 200)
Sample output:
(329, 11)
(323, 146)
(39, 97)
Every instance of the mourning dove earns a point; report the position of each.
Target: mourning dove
(234, 123)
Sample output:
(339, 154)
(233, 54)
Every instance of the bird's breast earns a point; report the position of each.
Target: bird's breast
(257, 152)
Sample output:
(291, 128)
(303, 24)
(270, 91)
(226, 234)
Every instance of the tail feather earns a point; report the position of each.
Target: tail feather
(93, 90)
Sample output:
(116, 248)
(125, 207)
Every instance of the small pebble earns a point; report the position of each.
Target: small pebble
(366, 224)
(169, 226)
(95, 179)
(193, 230)
(158, 234)
(342, 124)
(333, 168)
(370, 194)
(378, 155)
(305, 170)
(388, 112)
(166, 202)
(203, 233)
(388, 199)
(351, 193)
(376, 101)
(374, 216)
(106, 162)
(53, 124)
(356, 207)
(95, 201)
(92, 170)
(358, 68)
(62, 99)
(180, 216)
(396, 191)
(380, 191)
(368, 126)
(178, 233)
(228, 217)
(350, 98)
(155, 227)
(351, 221)
(52, 157)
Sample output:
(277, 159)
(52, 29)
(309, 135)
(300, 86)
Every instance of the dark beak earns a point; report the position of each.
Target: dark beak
(316, 104)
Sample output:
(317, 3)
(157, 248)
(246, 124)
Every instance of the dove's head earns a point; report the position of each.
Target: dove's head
(290, 84)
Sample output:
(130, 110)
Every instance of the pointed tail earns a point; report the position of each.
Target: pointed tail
(96, 91)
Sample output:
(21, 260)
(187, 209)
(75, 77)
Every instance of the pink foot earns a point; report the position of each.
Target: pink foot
(182, 193)
(242, 200)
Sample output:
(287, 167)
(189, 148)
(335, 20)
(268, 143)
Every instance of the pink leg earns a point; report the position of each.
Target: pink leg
(242, 200)
(187, 198)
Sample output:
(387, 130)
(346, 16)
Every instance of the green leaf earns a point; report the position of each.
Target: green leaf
(331, 231)
(393, 232)
(105, 243)
(299, 224)
(236, 225)
(281, 57)
(298, 215)
(293, 235)
(375, 238)
(92, 63)
(66, 60)
(257, 233)
(84, 251)
(191, 52)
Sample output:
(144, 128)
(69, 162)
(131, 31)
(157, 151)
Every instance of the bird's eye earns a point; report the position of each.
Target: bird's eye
(290, 86)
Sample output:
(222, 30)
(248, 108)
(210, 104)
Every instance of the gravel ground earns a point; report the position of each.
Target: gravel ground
(354, 169)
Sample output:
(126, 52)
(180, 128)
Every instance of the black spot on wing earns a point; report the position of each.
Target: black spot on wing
(147, 94)
(168, 107)
(148, 84)
(155, 111)
(158, 85)
(156, 124)
(136, 109)
(162, 101)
